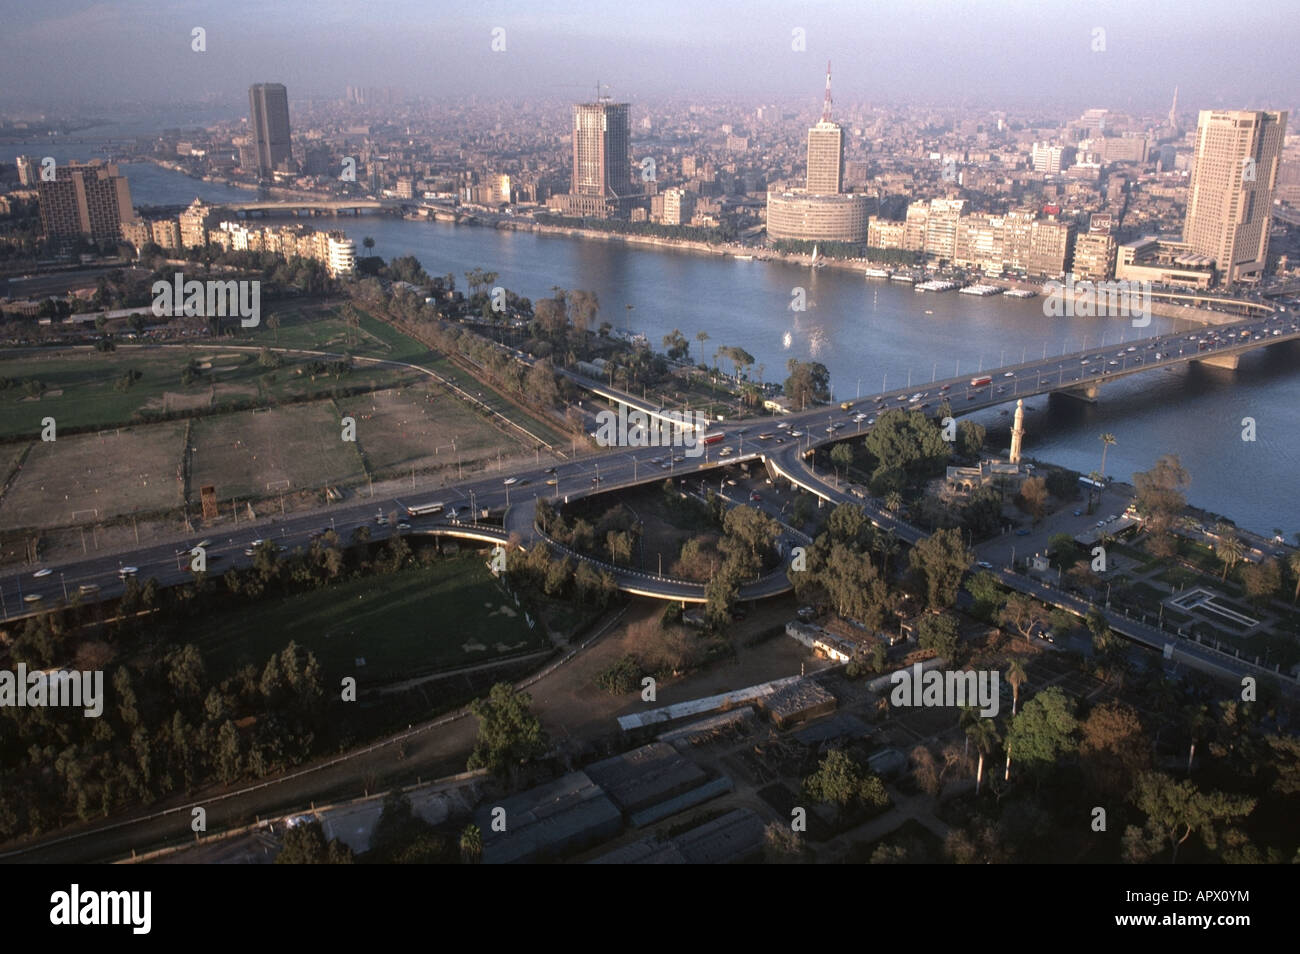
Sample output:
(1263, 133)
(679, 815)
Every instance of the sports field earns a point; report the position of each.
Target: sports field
(85, 478)
(423, 427)
(258, 453)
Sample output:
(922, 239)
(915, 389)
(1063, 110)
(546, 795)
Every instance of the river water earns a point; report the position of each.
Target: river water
(874, 334)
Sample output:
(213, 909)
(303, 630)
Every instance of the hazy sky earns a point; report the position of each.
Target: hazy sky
(979, 52)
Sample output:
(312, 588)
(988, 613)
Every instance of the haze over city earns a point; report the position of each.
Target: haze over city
(939, 52)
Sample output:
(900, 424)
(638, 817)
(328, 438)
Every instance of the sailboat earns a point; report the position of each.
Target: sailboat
(815, 263)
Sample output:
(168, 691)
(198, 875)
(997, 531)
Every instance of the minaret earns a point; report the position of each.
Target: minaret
(1173, 111)
(1018, 431)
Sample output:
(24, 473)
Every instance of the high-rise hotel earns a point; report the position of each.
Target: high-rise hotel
(85, 200)
(268, 124)
(1230, 199)
(602, 165)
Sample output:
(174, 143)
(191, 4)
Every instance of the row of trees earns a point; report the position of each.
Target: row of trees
(167, 727)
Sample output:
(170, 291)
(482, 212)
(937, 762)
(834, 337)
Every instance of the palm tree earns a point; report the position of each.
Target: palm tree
(985, 736)
(1107, 441)
(273, 322)
(471, 845)
(1017, 677)
(893, 501)
(368, 243)
(1293, 564)
(1197, 720)
(887, 543)
(1229, 548)
(701, 337)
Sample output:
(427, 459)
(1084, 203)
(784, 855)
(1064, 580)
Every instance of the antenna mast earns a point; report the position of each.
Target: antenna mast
(826, 106)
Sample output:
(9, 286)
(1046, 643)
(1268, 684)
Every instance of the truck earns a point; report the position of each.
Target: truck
(981, 381)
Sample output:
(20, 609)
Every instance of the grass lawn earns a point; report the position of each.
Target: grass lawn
(81, 387)
(423, 619)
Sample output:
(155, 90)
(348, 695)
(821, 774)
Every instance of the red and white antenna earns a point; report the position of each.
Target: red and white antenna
(826, 107)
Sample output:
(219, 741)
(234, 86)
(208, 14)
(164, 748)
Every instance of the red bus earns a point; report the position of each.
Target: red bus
(713, 438)
(981, 381)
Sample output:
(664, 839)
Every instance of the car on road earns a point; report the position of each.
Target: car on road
(1022, 532)
(511, 481)
(1078, 513)
(32, 598)
(403, 527)
(126, 571)
(796, 433)
(755, 496)
(550, 470)
(946, 387)
(594, 481)
(552, 482)
(42, 573)
(89, 587)
(984, 565)
(1009, 374)
(678, 459)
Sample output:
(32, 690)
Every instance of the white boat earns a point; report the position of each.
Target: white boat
(877, 273)
(903, 277)
(982, 290)
(743, 258)
(936, 285)
(1020, 293)
(815, 263)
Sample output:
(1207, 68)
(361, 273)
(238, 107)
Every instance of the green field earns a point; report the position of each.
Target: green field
(423, 619)
(81, 388)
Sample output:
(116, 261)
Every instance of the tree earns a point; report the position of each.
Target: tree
(1016, 677)
(1160, 499)
(1063, 547)
(938, 632)
(676, 345)
(1114, 747)
(983, 734)
(1175, 810)
(1262, 580)
(1229, 547)
(942, 559)
(841, 457)
(368, 243)
(1293, 564)
(701, 337)
(1033, 497)
(508, 733)
(306, 845)
(1107, 442)
(987, 592)
(273, 322)
(843, 782)
(808, 383)
(1044, 731)
(471, 845)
